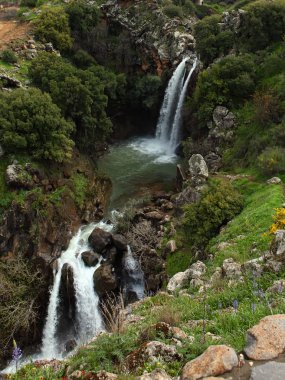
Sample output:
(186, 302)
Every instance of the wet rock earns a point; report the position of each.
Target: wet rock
(216, 360)
(90, 258)
(231, 269)
(274, 181)
(152, 352)
(157, 374)
(267, 371)
(120, 242)
(17, 176)
(99, 239)
(105, 279)
(198, 170)
(266, 340)
(70, 345)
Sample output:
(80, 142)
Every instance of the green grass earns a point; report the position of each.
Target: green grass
(80, 183)
(246, 231)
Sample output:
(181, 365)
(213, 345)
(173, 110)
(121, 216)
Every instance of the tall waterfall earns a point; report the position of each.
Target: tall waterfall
(133, 278)
(170, 119)
(88, 317)
(176, 127)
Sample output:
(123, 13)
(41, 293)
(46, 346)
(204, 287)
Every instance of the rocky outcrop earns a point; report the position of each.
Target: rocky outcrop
(151, 352)
(192, 276)
(198, 170)
(266, 340)
(216, 360)
(221, 129)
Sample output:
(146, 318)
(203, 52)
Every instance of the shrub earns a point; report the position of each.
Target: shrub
(52, 26)
(272, 160)
(83, 16)
(9, 56)
(28, 3)
(265, 107)
(172, 11)
(82, 59)
(219, 204)
(29, 121)
(146, 92)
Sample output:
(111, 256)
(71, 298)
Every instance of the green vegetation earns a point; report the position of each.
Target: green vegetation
(83, 16)
(52, 26)
(8, 56)
(30, 121)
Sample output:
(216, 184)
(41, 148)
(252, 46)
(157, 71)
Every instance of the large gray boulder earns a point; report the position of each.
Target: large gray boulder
(198, 169)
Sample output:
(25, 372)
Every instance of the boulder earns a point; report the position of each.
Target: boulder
(157, 374)
(231, 269)
(105, 279)
(277, 287)
(266, 340)
(191, 276)
(178, 281)
(17, 176)
(120, 242)
(151, 352)
(155, 216)
(267, 371)
(277, 248)
(90, 258)
(198, 170)
(99, 239)
(197, 270)
(216, 360)
(274, 181)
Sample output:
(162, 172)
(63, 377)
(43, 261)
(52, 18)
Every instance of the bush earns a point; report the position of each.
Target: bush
(9, 56)
(265, 107)
(82, 59)
(83, 16)
(52, 26)
(219, 204)
(29, 121)
(28, 3)
(146, 92)
(172, 11)
(272, 160)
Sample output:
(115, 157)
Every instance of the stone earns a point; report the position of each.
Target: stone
(155, 216)
(157, 374)
(223, 124)
(178, 281)
(274, 181)
(70, 345)
(170, 247)
(213, 161)
(216, 360)
(105, 279)
(198, 169)
(90, 258)
(100, 239)
(216, 276)
(231, 269)
(151, 352)
(253, 266)
(277, 287)
(267, 371)
(266, 340)
(120, 242)
(188, 195)
(17, 176)
(197, 270)
(277, 248)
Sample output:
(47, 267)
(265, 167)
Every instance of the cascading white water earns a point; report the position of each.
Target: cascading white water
(88, 317)
(169, 104)
(176, 127)
(133, 278)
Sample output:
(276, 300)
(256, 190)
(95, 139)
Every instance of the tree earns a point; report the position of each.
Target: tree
(52, 26)
(83, 16)
(31, 122)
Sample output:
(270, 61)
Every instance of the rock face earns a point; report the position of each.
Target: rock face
(223, 124)
(198, 170)
(216, 360)
(151, 352)
(266, 340)
(270, 370)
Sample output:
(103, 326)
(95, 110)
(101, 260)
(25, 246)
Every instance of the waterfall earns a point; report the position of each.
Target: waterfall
(169, 104)
(133, 278)
(88, 317)
(176, 127)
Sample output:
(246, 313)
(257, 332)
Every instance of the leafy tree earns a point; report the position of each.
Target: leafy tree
(146, 91)
(52, 26)
(82, 95)
(29, 121)
(9, 56)
(83, 16)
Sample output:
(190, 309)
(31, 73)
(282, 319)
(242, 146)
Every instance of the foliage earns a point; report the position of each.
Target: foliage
(145, 91)
(279, 221)
(82, 59)
(261, 25)
(8, 56)
(30, 121)
(83, 16)
(272, 160)
(80, 185)
(173, 11)
(82, 95)
(52, 26)
(28, 3)
(229, 83)
(203, 220)
(211, 42)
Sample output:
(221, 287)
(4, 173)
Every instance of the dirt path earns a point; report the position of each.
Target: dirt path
(10, 29)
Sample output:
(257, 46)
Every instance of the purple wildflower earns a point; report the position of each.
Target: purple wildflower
(235, 304)
(17, 353)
